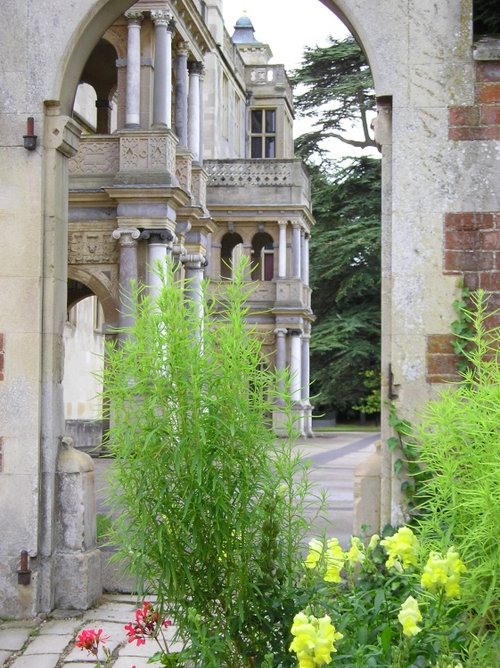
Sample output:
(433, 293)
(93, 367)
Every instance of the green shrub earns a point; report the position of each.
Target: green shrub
(210, 504)
(459, 441)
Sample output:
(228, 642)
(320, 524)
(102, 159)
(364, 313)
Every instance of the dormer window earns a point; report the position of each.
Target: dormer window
(263, 133)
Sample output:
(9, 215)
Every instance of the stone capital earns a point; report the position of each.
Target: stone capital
(161, 17)
(182, 49)
(127, 236)
(280, 331)
(134, 17)
(158, 236)
(195, 67)
(282, 223)
(296, 224)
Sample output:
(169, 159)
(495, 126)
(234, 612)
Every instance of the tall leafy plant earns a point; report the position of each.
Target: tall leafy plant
(459, 442)
(209, 505)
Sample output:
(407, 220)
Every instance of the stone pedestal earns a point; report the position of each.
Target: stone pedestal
(367, 494)
(77, 561)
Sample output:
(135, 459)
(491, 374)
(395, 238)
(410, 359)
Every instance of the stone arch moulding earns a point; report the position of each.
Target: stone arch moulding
(102, 287)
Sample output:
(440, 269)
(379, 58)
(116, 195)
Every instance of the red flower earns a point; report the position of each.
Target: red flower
(146, 624)
(90, 640)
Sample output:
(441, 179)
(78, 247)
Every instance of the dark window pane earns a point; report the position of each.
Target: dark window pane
(257, 147)
(268, 266)
(270, 121)
(270, 147)
(257, 121)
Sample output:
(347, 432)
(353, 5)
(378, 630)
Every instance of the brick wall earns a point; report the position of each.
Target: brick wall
(471, 240)
(482, 119)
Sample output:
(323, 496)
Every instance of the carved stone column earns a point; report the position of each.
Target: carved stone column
(280, 333)
(306, 337)
(181, 94)
(304, 265)
(194, 265)
(162, 94)
(195, 70)
(160, 244)
(296, 252)
(295, 365)
(127, 271)
(133, 97)
(202, 115)
(282, 249)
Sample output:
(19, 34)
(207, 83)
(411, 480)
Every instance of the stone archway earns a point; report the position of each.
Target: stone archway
(420, 59)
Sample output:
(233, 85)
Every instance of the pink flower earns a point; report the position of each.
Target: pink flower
(146, 624)
(90, 639)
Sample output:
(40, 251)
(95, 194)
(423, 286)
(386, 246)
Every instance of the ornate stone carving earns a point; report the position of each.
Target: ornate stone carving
(134, 17)
(183, 170)
(248, 173)
(161, 17)
(92, 247)
(95, 156)
(147, 152)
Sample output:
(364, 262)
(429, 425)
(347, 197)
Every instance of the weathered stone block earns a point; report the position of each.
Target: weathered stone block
(78, 579)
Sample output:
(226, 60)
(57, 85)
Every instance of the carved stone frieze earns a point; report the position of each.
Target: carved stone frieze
(247, 173)
(92, 246)
(95, 156)
(183, 163)
(147, 152)
(199, 187)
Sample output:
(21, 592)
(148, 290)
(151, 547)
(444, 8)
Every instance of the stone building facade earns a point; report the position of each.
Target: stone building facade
(85, 213)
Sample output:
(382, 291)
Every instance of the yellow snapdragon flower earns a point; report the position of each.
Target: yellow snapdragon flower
(356, 553)
(409, 616)
(314, 640)
(443, 573)
(315, 552)
(334, 559)
(402, 549)
(374, 541)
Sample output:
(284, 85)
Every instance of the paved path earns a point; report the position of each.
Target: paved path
(50, 642)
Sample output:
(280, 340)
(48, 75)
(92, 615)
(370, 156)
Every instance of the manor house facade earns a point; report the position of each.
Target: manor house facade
(187, 152)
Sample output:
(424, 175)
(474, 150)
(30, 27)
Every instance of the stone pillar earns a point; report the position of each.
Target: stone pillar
(304, 265)
(78, 585)
(194, 265)
(128, 271)
(160, 243)
(132, 112)
(295, 365)
(296, 252)
(162, 94)
(103, 107)
(305, 371)
(195, 70)
(181, 94)
(202, 115)
(282, 249)
(279, 415)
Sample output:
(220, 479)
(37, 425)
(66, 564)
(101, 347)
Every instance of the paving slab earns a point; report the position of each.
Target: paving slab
(30, 661)
(14, 638)
(4, 655)
(48, 643)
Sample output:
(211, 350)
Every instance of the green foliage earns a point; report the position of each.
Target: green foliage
(345, 278)
(460, 450)
(210, 505)
(333, 85)
(486, 16)
(364, 605)
(371, 403)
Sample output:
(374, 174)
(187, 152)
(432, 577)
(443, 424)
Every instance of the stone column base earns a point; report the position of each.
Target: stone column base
(78, 579)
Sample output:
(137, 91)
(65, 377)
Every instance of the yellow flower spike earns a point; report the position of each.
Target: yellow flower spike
(374, 541)
(356, 553)
(409, 616)
(443, 573)
(401, 548)
(315, 552)
(335, 559)
(313, 640)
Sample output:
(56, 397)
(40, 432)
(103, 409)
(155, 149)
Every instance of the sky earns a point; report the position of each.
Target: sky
(288, 26)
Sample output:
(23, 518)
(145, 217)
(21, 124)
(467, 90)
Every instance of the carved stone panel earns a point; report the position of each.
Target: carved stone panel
(95, 156)
(147, 152)
(92, 246)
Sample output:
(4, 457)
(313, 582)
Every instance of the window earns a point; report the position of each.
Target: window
(262, 257)
(263, 133)
(230, 255)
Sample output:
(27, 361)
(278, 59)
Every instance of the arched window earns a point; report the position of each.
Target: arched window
(230, 254)
(262, 257)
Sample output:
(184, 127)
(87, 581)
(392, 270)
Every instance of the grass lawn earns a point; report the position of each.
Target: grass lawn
(349, 427)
